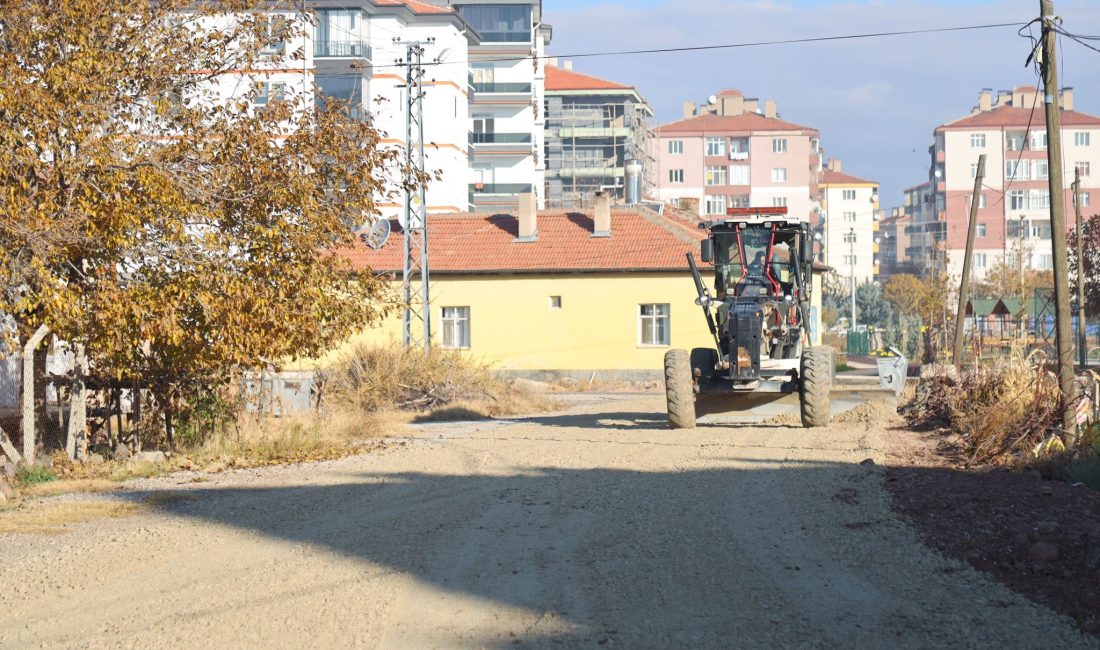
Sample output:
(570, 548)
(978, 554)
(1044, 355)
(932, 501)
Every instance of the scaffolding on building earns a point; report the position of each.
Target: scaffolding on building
(587, 146)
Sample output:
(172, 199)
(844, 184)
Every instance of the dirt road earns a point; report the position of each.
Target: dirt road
(598, 527)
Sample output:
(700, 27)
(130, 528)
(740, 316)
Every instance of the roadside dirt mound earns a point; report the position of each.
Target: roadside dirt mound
(868, 413)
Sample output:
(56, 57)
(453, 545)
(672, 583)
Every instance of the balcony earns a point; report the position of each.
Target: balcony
(500, 87)
(341, 50)
(500, 138)
(500, 188)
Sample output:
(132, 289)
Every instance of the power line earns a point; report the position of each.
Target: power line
(726, 46)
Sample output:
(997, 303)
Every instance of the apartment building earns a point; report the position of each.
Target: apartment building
(1013, 220)
(923, 230)
(895, 236)
(736, 152)
(593, 128)
(506, 117)
(848, 224)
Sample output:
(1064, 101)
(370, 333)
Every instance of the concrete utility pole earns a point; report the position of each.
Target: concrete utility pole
(1082, 331)
(1063, 336)
(852, 262)
(964, 286)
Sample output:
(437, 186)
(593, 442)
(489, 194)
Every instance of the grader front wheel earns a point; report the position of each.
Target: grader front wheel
(816, 379)
(678, 390)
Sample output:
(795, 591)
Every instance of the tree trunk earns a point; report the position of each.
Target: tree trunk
(28, 392)
(78, 407)
(135, 400)
(42, 423)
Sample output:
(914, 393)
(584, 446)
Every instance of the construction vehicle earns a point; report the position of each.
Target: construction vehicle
(759, 317)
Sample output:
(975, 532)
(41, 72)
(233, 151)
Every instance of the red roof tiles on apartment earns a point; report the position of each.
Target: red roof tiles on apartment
(830, 177)
(416, 5)
(724, 123)
(1012, 116)
(562, 79)
(474, 243)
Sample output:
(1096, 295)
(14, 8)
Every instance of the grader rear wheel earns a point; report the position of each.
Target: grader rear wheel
(679, 390)
(816, 379)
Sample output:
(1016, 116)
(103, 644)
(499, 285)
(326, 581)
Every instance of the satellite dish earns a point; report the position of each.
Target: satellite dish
(377, 235)
(443, 55)
(713, 99)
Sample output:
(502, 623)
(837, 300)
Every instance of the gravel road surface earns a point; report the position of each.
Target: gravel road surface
(597, 527)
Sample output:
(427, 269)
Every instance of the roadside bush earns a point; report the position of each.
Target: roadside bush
(1001, 413)
(376, 379)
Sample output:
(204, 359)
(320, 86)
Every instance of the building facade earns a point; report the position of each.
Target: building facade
(1013, 222)
(593, 127)
(732, 152)
(895, 237)
(848, 224)
(507, 75)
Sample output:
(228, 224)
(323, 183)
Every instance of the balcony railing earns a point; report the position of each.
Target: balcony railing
(341, 49)
(500, 138)
(493, 87)
(500, 188)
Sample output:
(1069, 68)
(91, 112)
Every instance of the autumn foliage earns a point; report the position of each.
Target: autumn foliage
(177, 234)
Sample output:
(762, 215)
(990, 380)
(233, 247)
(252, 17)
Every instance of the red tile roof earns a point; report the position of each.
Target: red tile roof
(730, 92)
(415, 5)
(829, 177)
(562, 79)
(477, 243)
(725, 123)
(1012, 116)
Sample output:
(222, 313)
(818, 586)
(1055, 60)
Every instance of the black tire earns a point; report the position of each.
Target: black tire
(816, 380)
(678, 390)
(704, 359)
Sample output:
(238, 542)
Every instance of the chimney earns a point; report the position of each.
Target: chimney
(985, 100)
(769, 108)
(1067, 99)
(527, 216)
(689, 110)
(834, 165)
(601, 220)
(1004, 97)
(731, 105)
(752, 105)
(568, 65)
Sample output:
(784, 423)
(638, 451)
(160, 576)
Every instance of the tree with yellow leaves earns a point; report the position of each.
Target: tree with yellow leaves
(176, 234)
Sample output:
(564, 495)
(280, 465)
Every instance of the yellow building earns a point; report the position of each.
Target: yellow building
(580, 291)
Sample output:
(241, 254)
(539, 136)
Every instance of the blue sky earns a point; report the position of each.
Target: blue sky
(875, 101)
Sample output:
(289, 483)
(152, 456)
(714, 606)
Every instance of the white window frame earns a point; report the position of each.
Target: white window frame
(779, 174)
(715, 175)
(1041, 170)
(1082, 139)
(659, 321)
(1084, 197)
(268, 91)
(1018, 200)
(675, 147)
(982, 231)
(1084, 167)
(973, 170)
(736, 201)
(849, 217)
(456, 328)
(977, 141)
(779, 201)
(740, 175)
(715, 146)
(1039, 141)
(980, 260)
(1039, 199)
(714, 204)
(676, 176)
(779, 145)
(1017, 170)
(848, 195)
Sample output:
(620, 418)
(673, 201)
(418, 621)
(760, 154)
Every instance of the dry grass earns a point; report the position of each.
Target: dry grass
(374, 379)
(69, 486)
(52, 518)
(1001, 412)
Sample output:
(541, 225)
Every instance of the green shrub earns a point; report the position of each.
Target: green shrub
(34, 475)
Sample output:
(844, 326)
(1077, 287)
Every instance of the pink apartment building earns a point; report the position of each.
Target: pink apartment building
(1014, 209)
(736, 152)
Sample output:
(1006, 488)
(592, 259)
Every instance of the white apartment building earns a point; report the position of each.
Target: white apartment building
(353, 51)
(848, 224)
(1014, 209)
(507, 121)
